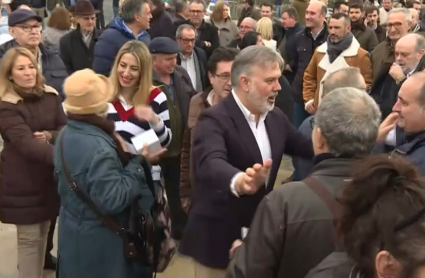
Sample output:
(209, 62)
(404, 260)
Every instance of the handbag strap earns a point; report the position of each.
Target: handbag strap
(106, 219)
(325, 195)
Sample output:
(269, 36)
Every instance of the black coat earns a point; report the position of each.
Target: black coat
(385, 89)
(381, 33)
(285, 98)
(206, 32)
(54, 70)
(223, 145)
(161, 25)
(202, 60)
(301, 52)
(75, 53)
(285, 48)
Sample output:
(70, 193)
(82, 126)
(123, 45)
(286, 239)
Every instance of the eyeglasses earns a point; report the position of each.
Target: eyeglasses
(396, 25)
(223, 77)
(29, 28)
(196, 11)
(187, 40)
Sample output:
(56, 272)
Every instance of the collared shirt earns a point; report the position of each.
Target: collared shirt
(87, 38)
(188, 63)
(317, 34)
(131, 32)
(210, 98)
(260, 134)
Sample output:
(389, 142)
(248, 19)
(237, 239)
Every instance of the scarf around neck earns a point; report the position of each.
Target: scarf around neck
(335, 49)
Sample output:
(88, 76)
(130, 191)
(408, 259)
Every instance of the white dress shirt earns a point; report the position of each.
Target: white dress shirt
(188, 63)
(260, 133)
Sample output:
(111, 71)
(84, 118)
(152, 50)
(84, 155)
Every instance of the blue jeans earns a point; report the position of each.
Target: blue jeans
(299, 114)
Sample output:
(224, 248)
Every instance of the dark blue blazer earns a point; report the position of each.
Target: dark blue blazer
(223, 145)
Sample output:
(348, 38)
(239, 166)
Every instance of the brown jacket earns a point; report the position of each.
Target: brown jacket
(301, 7)
(198, 104)
(382, 55)
(366, 38)
(320, 67)
(29, 193)
(309, 229)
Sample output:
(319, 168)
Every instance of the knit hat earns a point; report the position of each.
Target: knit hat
(87, 93)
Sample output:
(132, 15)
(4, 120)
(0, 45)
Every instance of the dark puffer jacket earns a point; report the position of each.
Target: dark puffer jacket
(54, 70)
(110, 42)
(28, 193)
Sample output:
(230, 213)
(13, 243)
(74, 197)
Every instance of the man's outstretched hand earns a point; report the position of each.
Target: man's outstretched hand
(253, 178)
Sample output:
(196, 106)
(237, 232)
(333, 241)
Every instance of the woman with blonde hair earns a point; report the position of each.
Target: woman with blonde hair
(265, 29)
(220, 18)
(31, 115)
(131, 78)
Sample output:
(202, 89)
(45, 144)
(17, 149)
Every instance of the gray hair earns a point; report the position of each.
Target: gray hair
(406, 12)
(345, 77)
(199, 2)
(251, 56)
(349, 120)
(420, 42)
(252, 21)
(130, 8)
(180, 6)
(184, 27)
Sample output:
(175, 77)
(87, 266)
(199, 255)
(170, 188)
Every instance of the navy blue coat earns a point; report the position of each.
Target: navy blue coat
(411, 147)
(87, 248)
(110, 42)
(53, 68)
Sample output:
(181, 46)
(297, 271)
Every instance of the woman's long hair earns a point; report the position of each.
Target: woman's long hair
(6, 67)
(384, 210)
(143, 57)
(217, 14)
(265, 28)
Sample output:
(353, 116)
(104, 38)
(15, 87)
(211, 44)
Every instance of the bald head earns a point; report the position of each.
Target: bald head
(409, 50)
(315, 15)
(345, 77)
(248, 24)
(319, 6)
(24, 7)
(415, 16)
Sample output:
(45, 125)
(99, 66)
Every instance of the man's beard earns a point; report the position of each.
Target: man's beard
(261, 103)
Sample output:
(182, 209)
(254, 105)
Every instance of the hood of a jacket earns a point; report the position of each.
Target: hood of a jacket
(119, 25)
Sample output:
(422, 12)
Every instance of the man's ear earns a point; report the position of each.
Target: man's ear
(244, 83)
(386, 265)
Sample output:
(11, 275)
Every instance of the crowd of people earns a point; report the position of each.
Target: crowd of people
(218, 102)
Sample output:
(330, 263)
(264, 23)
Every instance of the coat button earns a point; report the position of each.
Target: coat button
(139, 170)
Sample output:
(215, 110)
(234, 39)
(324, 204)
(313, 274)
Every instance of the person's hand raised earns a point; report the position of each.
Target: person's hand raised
(253, 178)
(145, 113)
(153, 158)
(386, 126)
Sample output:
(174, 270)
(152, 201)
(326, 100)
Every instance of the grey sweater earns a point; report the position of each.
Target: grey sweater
(52, 36)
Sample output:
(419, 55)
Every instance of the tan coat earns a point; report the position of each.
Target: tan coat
(319, 69)
(198, 104)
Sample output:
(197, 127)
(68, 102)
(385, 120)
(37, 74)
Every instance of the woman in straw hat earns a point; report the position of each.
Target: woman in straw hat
(98, 161)
(30, 118)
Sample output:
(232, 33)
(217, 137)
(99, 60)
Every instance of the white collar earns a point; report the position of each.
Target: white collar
(186, 58)
(247, 114)
(210, 98)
